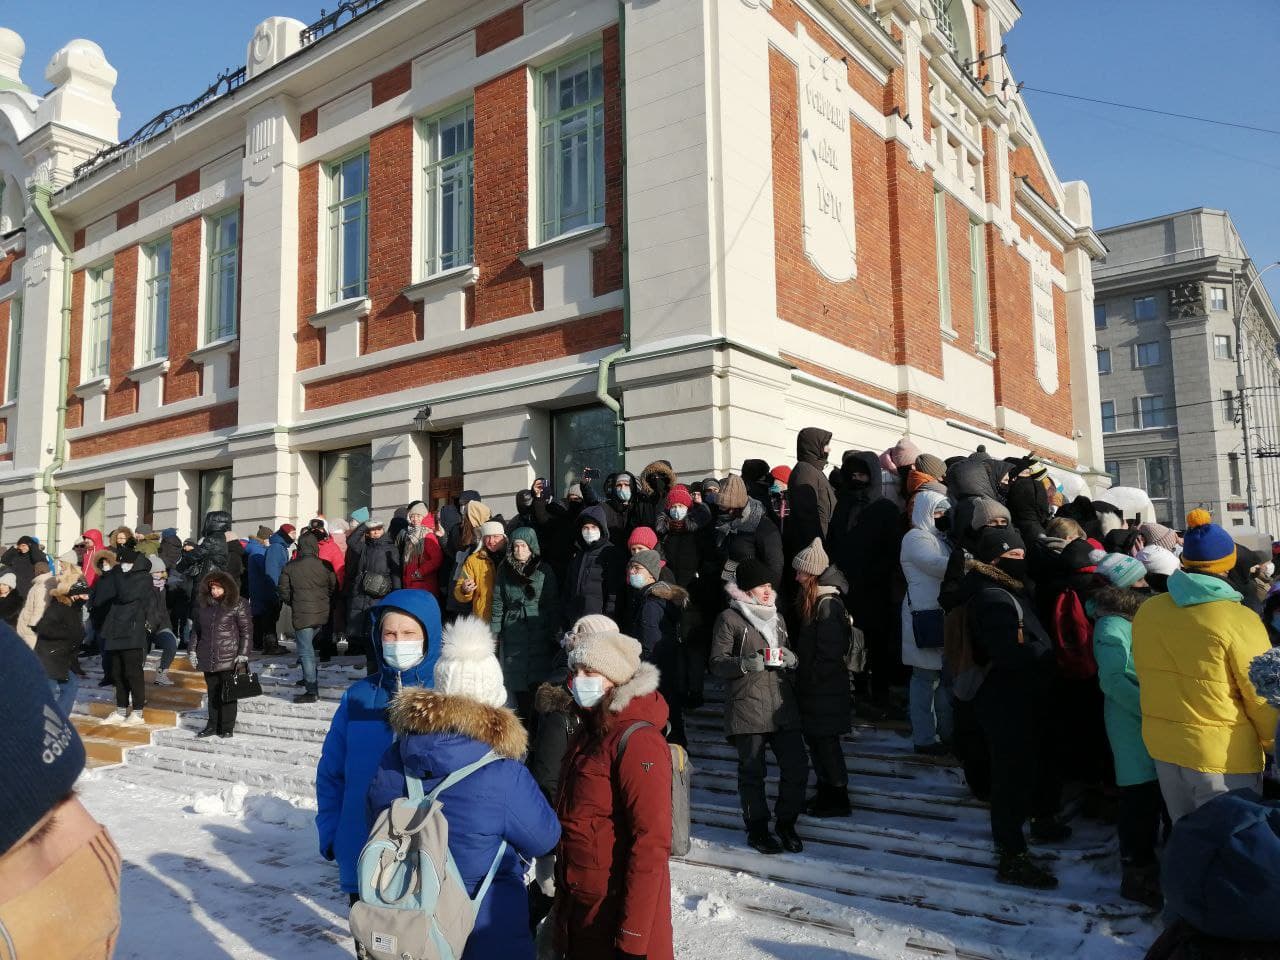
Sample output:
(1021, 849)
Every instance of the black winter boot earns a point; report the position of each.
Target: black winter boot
(309, 697)
(1019, 870)
(1141, 884)
(790, 840)
(829, 802)
(1049, 830)
(761, 840)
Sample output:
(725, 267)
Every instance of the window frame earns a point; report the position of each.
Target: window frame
(550, 226)
(328, 458)
(214, 270)
(978, 279)
(1155, 310)
(1138, 363)
(205, 488)
(432, 189)
(1159, 412)
(1213, 299)
(1113, 474)
(942, 259)
(1104, 352)
(151, 346)
(1102, 408)
(1168, 477)
(91, 370)
(333, 218)
(1223, 339)
(1096, 316)
(1229, 408)
(13, 365)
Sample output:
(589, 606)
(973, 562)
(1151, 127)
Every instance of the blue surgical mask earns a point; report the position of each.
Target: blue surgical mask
(637, 580)
(624, 493)
(402, 654)
(678, 512)
(588, 691)
(590, 534)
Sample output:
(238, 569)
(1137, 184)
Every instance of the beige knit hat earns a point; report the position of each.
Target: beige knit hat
(467, 666)
(812, 559)
(612, 655)
(733, 493)
(590, 625)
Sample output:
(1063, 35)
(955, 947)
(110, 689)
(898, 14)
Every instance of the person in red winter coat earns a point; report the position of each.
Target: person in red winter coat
(612, 871)
(420, 552)
(330, 552)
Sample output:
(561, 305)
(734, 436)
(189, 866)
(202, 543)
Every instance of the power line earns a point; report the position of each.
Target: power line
(1162, 113)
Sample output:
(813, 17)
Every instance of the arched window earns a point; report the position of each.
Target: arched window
(12, 209)
(952, 22)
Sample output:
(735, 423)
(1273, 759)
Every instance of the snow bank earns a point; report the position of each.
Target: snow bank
(295, 813)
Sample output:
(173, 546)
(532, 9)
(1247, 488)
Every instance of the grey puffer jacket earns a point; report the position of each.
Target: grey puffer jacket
(224, 628)
(761, 702)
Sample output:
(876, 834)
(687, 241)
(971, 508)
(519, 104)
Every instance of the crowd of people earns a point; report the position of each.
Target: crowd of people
(538, 665)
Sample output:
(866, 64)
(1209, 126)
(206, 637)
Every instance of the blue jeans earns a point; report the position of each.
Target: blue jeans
(65, 693)
(304, 637)
(929, 700)
(168, 644)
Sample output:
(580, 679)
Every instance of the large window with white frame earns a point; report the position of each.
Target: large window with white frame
(97, 340)
(222, 301)
(448, 177)
(158, 258)
(349, 227)
(15, 350)
(571, 143)
(978, 270)
(943, 260)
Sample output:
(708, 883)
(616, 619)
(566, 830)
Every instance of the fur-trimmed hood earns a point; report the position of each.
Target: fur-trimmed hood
(553, 698)
(69, 582)
(1117, 602)
(670, 592)
(101, 555)
(230, 589)
(994, 573)
(643, 683)
(662, 469)
(416, 710)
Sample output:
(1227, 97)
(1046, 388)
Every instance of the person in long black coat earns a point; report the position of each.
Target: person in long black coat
(742, 520)
(26, 561)
(594, 582)
(812, 498)
(124, 592)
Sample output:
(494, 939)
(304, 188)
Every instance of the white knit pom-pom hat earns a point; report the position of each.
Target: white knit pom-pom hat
(467, 666)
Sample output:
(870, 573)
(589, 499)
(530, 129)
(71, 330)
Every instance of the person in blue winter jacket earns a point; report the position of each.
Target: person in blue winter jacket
(406, 638)
(279, 549)
(446, 728)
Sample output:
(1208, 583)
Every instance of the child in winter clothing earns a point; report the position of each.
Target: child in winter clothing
(443, 729)
(822, 679)
(761, 709)
(60, 632)
(474, 584)
(656, 609)
(525, 616)
(1113, 608)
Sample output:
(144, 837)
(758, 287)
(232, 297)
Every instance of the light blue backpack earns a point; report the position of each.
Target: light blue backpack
(413, 904)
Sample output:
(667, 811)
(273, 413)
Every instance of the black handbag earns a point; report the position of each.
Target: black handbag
(926, 626)
(375, 585)
(241, 686)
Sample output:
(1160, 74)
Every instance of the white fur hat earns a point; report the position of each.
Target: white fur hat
(1158, 560)
(467, 666)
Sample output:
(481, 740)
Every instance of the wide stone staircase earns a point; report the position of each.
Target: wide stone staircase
(915, 852)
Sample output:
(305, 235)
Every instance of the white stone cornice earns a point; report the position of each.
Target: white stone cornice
(459, 278)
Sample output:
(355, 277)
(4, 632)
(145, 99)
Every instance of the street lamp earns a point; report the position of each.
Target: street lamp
(1244, 410)
(422, 420)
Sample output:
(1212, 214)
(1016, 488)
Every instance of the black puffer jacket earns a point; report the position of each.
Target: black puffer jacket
(365, 556)
(124, 596)
(822, 680)
(1029, 507)
(25, 567)
(812, 499)
(866, 532)
(60, 630)
(646, 503)
(307, 585)
(690, 552)
(594, 581)
(224, 628)
(558, 721)
(756, 532)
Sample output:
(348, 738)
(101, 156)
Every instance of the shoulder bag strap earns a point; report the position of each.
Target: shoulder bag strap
(626, 735)
(461, 774)
(488, 879)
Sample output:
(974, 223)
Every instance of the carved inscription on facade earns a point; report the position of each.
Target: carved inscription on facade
(1043, 325)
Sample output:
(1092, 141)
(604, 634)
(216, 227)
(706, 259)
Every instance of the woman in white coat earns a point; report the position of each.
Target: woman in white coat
(925, 552)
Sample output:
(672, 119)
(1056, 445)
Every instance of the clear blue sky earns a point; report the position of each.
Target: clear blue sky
(1215, 59)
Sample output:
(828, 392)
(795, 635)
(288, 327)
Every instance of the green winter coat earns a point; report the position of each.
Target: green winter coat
(525, 617)
(1113, 610)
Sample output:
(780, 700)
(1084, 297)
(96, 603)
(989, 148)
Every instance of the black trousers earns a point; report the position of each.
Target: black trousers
(222, 716)
(126, 671)
(1141, 809)
(827, 757)
(264, 625)
(970, 745)
(1015, 714)
(793, 774)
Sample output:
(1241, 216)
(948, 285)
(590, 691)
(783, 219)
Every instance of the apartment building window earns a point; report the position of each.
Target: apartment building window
(222, 306)
(155, 328)
(1099, 316)
(15, 350)
(1104, 361)
(1229, 406)
(1108, 416)
(1157, 486)
(93, 509)
(1217, 298)
(448, 180)
(1221, 347)
(1144, 308)
(1151, 411)
(215, 490)
(349, 227)
(346, 480)
(978, 276)
(97, 341)
(571, 143)
(1113, 471)
(1147, 354)
(585, 437)
(944, 268)
(1233, 473)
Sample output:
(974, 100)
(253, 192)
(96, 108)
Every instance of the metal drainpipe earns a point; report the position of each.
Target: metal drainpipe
(602, 380)
(40, 194)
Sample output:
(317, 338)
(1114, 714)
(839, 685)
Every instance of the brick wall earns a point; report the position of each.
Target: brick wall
(535, 346)
(310, 340)
(914, 265)
(4, 348)
(499, 30)
(127, 215)
(7, 262)
(960, 266)
(308, 124)
(393, 83)
(391, 320)
(606, 264)
(1023, 163)
(186, 425)
(75, 406)
(187, 185)
(788, 13)
(122, 393)
(182, 382)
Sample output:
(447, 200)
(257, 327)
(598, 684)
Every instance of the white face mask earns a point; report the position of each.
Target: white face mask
(588, 691)
(590, 534)
(678, 512)
(402, 654)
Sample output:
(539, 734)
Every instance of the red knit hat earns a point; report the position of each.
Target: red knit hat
(643, 537)
(678, 494)
(781, 473)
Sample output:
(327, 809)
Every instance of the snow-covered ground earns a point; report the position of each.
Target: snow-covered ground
(234, 875)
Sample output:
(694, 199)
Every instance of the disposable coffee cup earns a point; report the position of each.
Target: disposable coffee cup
(773, 656)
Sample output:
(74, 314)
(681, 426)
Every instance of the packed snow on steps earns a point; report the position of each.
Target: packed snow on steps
(908, 874)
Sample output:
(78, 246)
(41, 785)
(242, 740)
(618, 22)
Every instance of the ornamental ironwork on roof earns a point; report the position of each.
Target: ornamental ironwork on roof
(329, 22)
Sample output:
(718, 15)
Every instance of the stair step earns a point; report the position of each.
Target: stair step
(182, 680)
(88, 726)
(268, 725)
(169, 698)
(229, 769)
(108, 751)
(879, 768)
(154, 716)
(286, 753)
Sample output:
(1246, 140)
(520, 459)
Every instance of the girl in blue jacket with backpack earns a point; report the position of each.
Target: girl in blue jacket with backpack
(449, 727)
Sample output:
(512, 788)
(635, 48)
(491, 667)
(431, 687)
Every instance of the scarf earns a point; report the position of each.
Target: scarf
(763, 618)
(752, 514)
